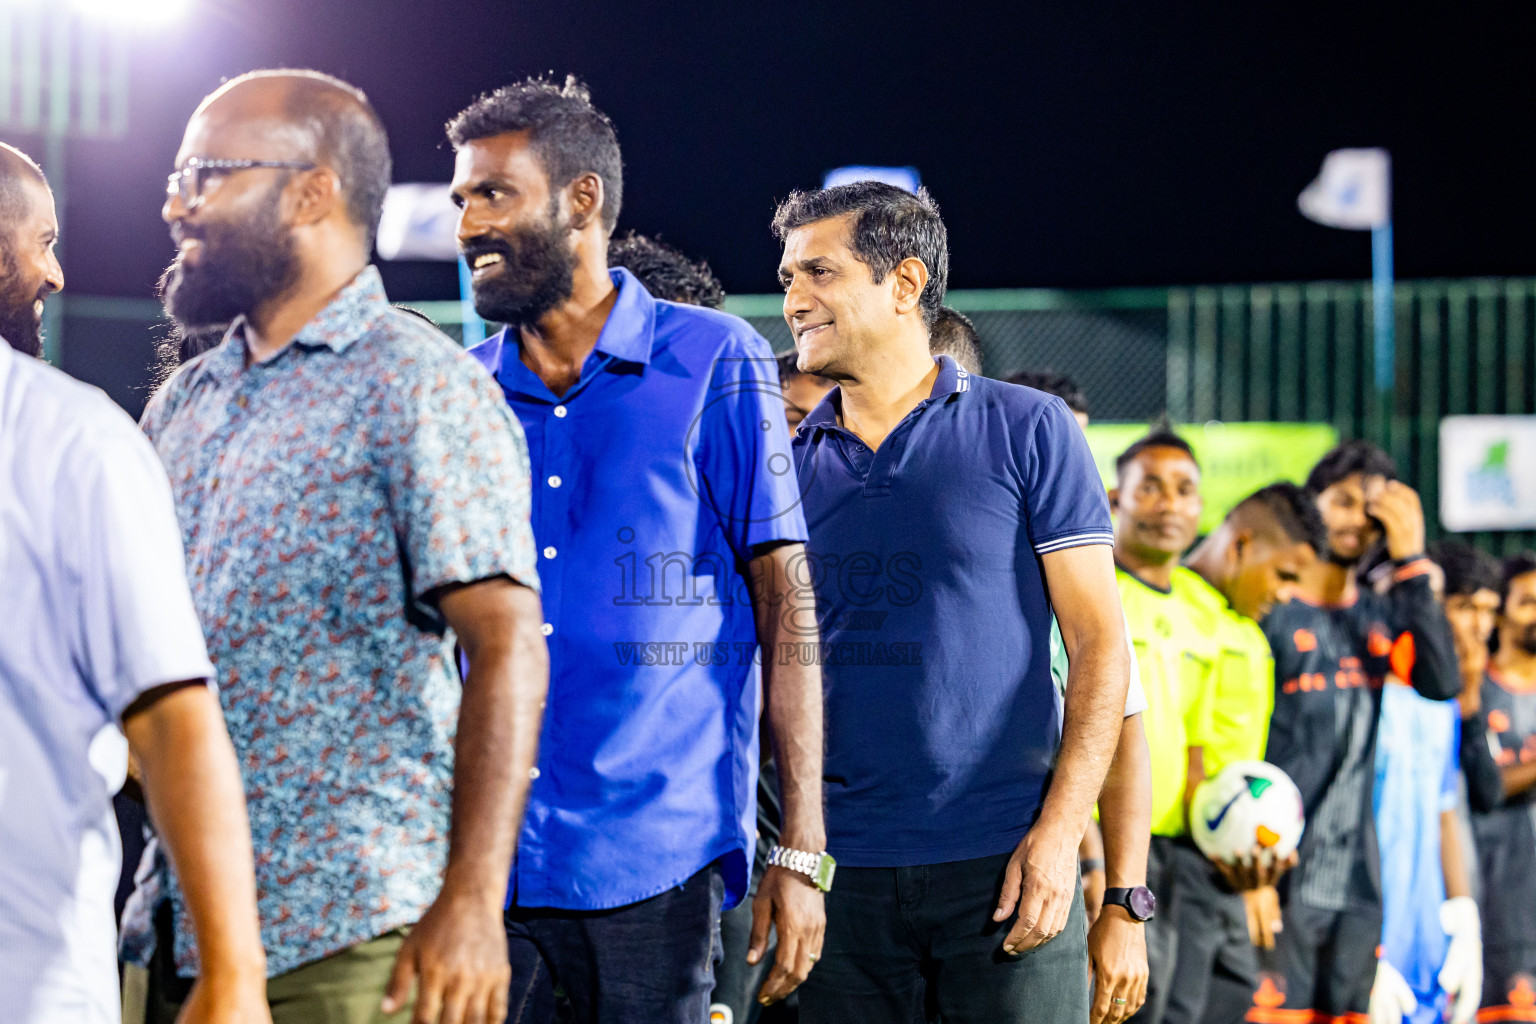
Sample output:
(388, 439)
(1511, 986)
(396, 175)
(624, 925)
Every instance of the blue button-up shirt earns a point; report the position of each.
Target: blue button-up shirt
(942, 719)
(655, 476)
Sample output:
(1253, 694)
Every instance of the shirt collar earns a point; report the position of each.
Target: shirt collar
(952, 380)
(354, 312)
(631, 326)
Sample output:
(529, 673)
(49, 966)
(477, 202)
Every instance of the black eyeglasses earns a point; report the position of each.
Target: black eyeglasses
(188, 182)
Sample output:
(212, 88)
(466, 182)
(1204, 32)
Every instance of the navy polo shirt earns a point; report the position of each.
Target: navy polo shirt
(655, 477)
(942, 719)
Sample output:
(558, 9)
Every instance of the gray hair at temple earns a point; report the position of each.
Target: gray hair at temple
(954, 335)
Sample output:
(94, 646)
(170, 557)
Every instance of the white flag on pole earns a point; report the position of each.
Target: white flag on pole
(1353, 190)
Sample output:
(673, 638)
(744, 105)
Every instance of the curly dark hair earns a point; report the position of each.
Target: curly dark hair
(570, 136)
(890, 224)
(1052, 383)
(1347, 459)
(1467, 570)
(666, 272)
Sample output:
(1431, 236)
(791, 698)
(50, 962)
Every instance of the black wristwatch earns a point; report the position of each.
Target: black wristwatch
(1138, 902)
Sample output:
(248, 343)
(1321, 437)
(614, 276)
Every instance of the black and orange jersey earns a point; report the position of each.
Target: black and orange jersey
(1330, 664)
(1504, 827)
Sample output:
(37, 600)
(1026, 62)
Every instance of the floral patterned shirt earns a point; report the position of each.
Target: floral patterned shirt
(324, 496)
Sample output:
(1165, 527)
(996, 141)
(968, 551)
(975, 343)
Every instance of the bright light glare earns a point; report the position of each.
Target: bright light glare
(138, 12)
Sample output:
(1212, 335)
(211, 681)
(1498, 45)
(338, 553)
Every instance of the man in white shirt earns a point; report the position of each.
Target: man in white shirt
(97, 631)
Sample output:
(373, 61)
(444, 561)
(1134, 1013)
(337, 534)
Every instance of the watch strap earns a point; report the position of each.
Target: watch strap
(818, 867)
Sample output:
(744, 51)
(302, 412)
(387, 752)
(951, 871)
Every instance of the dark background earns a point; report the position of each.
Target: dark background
(1067, 144)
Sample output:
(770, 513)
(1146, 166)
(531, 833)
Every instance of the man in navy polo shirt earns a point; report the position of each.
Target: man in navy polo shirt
(941, 506)
(667, 518)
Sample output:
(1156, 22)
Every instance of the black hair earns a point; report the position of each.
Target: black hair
(183, 344)
(890, 224)
(666, 272)
(954, 335)
(789, 369)
(570, 136)
(1347, 459)
(347, 135)
(1467, 570)
(1159, 437)
(1514, 567)
(1052, 383)
(1291, 508)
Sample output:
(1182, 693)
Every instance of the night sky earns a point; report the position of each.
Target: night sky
(1068, 145)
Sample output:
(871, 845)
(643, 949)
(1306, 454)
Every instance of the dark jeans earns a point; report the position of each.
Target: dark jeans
(896, 935)
(646, 963)
(1162, 932)
(1217, 968)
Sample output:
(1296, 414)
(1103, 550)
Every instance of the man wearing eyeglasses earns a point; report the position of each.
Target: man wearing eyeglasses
(354, 497)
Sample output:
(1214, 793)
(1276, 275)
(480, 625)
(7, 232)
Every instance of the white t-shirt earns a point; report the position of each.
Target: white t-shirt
(94, 611)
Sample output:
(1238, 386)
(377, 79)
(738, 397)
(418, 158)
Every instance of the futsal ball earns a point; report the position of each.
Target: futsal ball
(1248, 805)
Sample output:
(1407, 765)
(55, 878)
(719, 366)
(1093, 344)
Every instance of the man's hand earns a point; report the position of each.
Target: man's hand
(1264, 920)
(1258, 870)
(1391, 997)
(1117, 952)
(457, 956)
(1396, 506)
(1472, 658)
(1039, 883)
(227, 1001)
(797, 909)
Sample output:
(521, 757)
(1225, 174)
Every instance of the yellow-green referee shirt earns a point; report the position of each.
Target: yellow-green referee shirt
(1176, 657)
(1243, 696)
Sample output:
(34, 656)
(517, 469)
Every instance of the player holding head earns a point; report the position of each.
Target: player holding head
(1470, 590)
(1335, 643)
(99, 635)
(1501, 786)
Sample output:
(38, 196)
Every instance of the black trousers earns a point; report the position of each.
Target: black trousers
(898, 935)
(651, 962)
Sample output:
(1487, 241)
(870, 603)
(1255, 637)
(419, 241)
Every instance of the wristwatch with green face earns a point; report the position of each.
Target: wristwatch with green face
(818, 867)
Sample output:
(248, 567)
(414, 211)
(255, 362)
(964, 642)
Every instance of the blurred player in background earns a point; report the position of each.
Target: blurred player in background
(665, 271)
(1058, 384)
(1157, 503)
(1501, 784)
(1262, 547)
(954, 335)
(802, 391)
(1335, 642)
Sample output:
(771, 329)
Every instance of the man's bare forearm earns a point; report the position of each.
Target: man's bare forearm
(1097, 679)
(1125, 808)
(792, 693)
(197, 802)
(497, 623)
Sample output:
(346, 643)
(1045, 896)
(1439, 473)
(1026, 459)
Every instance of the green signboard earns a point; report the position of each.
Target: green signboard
(1236, 459)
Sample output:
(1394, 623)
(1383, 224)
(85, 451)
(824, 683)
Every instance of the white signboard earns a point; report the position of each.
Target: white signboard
(1488, 472)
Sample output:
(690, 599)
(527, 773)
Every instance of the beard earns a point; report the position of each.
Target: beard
(1525, 639)
(538, 273)
(241, 266)
(19, 323)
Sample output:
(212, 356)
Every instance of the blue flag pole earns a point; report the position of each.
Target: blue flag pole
(473, 328)
(1384, 315)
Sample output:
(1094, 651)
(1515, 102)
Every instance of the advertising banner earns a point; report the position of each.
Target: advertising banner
(1488, 472)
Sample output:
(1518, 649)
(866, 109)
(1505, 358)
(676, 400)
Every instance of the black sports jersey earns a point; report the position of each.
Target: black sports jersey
(1330, 664)
(1504, 827)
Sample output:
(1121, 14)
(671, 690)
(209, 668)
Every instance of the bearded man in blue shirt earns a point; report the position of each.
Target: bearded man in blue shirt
(667, 518)
(949, 515)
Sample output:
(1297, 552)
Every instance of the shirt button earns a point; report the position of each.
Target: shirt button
(555, 481)
(549, 552)
(546, 629)
(533, 773)
(560, 411)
